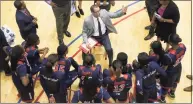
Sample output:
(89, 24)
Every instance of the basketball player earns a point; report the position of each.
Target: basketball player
(33, 53)
(118, 85)
(127, 68)
(145, 79)
(91, 92)
(63, 65)
(90, 70)
(50, 81)
(21, 74)
(174, 67)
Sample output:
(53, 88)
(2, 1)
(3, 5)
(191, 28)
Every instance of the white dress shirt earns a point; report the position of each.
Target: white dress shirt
(103, 27)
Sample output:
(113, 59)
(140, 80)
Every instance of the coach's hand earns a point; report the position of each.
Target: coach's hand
(88, 46)
(124, 10)
(113, 3)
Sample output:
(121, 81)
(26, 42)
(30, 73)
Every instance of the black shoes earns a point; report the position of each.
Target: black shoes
(81, 11)
(68, 34)
(148, 27)
(171, 94)
(77, 14)
(151, 33)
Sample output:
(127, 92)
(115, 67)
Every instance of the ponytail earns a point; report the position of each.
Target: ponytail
(117, 66)
(174, 38)
(52, 59)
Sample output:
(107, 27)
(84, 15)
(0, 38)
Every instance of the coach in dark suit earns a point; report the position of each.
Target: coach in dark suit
(26, 22)
(98, 26)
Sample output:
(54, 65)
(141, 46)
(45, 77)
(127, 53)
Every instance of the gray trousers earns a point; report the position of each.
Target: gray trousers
(62, 15)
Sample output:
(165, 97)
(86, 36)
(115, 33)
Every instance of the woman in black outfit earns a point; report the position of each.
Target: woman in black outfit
(168, 22)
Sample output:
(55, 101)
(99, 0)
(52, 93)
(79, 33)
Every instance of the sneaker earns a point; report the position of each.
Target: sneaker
(171, 94)
(188, 89)
(162, 101)
(189, 77)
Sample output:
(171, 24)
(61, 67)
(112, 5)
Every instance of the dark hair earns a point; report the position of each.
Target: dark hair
(17, 53)
(89, 60)
(157, 48)
(174, 38)
(62, 50)
(117, 67)
(32, 39)
(122, 56)
(143, 60)
(52, 59)
(90, 89)
(18, 4)
(92, 8)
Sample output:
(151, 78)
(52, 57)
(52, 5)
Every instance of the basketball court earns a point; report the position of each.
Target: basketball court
(130, 39)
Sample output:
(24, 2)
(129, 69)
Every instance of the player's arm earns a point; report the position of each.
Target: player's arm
(74, 63)
(159, 69)
(168, 60)
(106, 97)
(75, 97)
(44, 54)
(7, 51)
(22, 70)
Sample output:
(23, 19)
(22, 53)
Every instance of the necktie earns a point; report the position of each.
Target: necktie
(99, 27)
(26, 12)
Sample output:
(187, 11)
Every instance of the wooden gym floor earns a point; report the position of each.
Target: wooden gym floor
(129, 39)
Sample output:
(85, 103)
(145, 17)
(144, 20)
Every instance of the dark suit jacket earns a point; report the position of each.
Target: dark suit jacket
(25, 24)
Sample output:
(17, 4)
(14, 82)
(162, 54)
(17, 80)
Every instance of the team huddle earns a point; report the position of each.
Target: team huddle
(148, 79)
(96, 85)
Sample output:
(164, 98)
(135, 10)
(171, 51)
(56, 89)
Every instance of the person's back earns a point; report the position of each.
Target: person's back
(90, 70)
(146, 79)
(117, 84)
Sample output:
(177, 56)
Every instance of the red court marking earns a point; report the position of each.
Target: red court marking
(80, 49)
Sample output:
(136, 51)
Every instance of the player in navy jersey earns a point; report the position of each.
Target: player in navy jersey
(146, 90)
(50, 81)
(118, 85)
(127, 68)
(174, 67)
(63, 66)
(31, 47)
(21, 74)
(90, 70)
(157, 53)
(91, 92)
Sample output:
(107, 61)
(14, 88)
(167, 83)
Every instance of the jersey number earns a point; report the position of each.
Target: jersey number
(119, 88)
